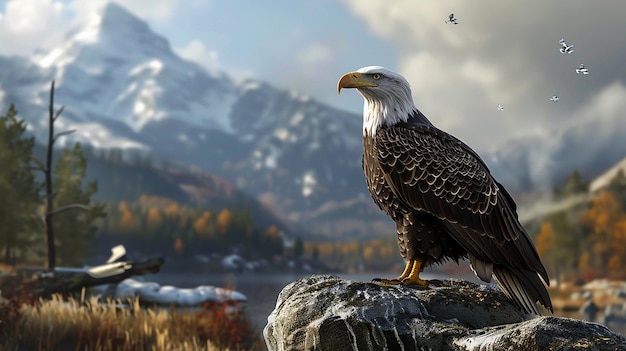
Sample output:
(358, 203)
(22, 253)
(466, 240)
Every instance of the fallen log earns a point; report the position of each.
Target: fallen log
(39, 283)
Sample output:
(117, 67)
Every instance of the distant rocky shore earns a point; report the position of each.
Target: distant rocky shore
(217, 263)
(601, 301)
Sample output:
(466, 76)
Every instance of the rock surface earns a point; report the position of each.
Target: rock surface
(324, 312)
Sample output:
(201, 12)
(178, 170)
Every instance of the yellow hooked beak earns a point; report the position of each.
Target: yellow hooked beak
(353, 80)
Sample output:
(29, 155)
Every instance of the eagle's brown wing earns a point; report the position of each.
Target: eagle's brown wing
(431, 171)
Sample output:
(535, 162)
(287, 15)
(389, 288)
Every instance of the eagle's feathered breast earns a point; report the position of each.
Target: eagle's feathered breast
(419, 169)
(410, 169)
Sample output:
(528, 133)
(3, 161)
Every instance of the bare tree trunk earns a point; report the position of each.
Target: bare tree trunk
(48, 173)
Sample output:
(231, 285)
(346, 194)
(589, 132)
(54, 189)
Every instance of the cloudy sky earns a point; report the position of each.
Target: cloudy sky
(501, 52)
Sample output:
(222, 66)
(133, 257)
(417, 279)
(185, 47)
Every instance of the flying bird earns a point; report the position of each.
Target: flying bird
(554, 99)
(565, 49)
(500, 107)
(582, 69)
(441, 195)
(451, 19)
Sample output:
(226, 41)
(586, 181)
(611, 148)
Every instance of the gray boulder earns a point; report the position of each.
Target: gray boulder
(324, 312)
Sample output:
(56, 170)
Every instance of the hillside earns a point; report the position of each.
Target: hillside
(127, 180)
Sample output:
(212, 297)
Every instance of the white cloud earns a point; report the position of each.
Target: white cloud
(197, 52)
(30, 16)
(28, 25)
(25, 25)
(609, 104)
(498, 53)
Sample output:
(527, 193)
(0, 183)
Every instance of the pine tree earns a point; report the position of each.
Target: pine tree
(574, 184)
(298, 247)
(74, 229)
(19, 189)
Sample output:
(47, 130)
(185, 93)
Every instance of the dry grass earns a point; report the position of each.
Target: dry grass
(58, 324)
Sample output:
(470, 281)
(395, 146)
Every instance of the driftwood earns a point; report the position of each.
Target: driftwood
(38, 282)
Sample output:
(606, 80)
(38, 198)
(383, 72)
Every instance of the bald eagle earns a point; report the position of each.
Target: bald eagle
(441, 195)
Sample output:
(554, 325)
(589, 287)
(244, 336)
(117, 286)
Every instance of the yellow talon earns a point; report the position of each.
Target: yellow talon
(410, 276)
(413, 278)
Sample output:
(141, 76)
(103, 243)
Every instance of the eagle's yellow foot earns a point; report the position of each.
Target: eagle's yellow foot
(410, 276)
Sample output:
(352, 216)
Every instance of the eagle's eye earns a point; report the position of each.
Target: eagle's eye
(376, 76)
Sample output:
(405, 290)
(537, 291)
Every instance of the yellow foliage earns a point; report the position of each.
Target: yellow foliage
(173, 210)
(179, 246)
(618, 244)
(143, 199)
(369, 252)
(350, 248)
(616, 264)
(272, 232)
(584, 263)
(123, 206)
(607, 221)
(127, 221)
(155, 201)
(604, 213)
(325, 249)
(154, 217)
(224, 219)
(201, 225)
(386, 251)
(546, 239)
(93, 325)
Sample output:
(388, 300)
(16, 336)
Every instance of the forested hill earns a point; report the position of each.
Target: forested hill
(128, 178)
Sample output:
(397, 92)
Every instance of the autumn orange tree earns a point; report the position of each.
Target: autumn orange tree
(373, 254)
(224, 219)
(154, 218)
(560, 242)
(128, 221)
(157, 224)
(606, 221)
(546, 242)
(203, 225)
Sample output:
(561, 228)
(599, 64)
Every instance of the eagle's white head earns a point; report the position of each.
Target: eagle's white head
(387, 96)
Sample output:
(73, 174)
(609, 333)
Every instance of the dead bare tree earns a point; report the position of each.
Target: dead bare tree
(47, 170)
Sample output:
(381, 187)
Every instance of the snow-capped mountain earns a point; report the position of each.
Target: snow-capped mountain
(123, 86)
(115, 76)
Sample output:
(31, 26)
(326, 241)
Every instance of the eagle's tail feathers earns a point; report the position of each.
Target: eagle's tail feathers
(524, 288)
